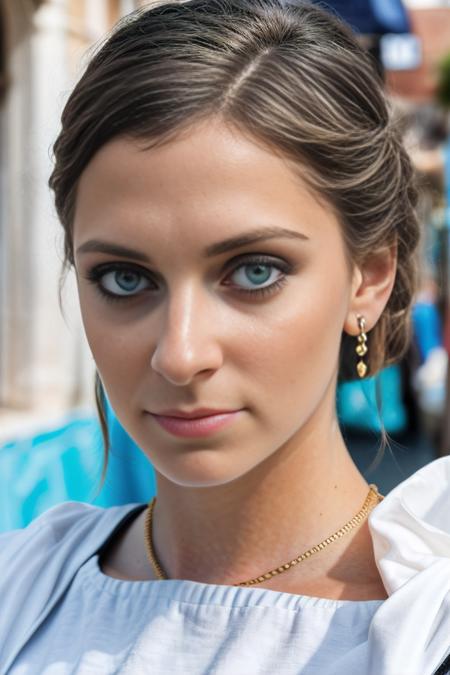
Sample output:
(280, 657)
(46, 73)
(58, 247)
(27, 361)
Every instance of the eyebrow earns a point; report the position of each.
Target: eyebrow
(251, 237)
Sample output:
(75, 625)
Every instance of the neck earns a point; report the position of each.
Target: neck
(229, 533)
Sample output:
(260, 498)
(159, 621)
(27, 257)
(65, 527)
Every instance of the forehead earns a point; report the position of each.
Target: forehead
(208, 179)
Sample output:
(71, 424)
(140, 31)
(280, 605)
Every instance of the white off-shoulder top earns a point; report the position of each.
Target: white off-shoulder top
(59, 614)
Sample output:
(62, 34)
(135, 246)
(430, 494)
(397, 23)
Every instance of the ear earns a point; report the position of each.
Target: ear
(372, 284)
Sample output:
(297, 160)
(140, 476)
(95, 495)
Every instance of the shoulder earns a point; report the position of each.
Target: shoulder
(60, 527)
(425, 495)
(410, 528)
(50, 528)
(38, 563)
(411, 538)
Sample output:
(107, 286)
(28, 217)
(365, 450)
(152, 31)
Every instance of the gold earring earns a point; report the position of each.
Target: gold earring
(361, 347)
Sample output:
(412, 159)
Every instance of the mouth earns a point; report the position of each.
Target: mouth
(198, 426)
(192, 414)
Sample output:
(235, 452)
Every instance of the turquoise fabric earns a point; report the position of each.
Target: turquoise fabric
(357, 403)
(65, 464)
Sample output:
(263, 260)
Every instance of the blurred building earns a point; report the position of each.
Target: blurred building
(45, 365)
(430, 24)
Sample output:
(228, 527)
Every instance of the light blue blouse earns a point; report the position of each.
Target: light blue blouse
(61, 615)
(106, 625)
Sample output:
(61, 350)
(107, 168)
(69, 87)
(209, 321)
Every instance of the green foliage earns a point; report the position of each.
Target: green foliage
(443, 90)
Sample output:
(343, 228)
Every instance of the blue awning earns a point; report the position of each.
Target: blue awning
(371, 16)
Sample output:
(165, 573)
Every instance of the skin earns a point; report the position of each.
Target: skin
(279, 479)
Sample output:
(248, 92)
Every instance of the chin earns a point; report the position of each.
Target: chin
(201, 469)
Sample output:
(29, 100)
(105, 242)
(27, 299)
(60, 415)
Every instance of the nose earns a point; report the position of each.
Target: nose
(188, 341)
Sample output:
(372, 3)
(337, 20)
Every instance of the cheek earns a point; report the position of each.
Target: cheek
(294, 355)
(122, 355)
(119, 347)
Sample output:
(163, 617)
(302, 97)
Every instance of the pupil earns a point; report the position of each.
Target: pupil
(261, 272)
(126, 280)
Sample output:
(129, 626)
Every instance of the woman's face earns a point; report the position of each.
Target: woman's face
(210, 277)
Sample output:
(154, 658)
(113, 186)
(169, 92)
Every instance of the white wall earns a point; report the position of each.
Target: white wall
(45, 366)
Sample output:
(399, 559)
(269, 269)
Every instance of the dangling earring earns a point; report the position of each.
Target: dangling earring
(361, 347)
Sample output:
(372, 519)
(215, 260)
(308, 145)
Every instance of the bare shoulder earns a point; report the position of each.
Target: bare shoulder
(125, 556)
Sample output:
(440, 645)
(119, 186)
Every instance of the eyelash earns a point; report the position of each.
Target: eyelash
(95, 275)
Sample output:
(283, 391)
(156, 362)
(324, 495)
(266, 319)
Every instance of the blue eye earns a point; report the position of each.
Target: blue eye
(123, 282)
(253, 276)
(258, 270)
(118, 282)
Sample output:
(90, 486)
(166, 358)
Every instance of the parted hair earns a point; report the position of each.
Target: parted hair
(291, 76)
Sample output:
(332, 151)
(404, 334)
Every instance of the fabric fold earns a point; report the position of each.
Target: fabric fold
(410, 528)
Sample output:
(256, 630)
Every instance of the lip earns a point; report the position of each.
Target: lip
(195, 427)
(192, 414)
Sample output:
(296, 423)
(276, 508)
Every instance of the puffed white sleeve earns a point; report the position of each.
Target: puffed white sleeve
(410, 529)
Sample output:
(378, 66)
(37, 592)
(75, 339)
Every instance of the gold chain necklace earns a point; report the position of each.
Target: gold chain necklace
(372, 499)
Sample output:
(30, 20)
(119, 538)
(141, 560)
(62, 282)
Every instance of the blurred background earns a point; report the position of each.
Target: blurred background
(50, 440)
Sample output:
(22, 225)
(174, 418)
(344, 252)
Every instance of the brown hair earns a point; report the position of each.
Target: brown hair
(292, 77)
